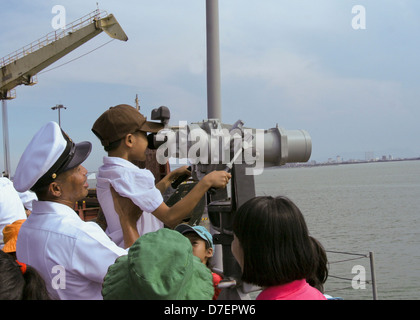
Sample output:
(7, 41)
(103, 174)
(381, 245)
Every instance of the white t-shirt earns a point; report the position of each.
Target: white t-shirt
(131, 182)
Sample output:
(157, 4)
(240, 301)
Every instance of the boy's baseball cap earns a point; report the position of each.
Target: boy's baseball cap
(50, 152)
(115, 123)
(200, 230)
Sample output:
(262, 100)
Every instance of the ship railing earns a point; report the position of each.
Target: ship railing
(359, 280)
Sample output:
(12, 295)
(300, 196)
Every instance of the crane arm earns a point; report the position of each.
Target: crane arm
(27, 64)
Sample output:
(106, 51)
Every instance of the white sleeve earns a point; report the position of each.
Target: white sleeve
(139, 186)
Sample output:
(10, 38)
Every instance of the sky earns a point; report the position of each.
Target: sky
(350, 80)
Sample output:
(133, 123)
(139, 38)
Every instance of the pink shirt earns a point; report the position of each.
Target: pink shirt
(296, 290)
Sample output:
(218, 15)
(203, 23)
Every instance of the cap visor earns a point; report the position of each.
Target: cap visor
(183, 228)
(80, 154)
(151, 126)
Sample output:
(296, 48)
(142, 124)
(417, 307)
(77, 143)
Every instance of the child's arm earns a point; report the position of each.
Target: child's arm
(128, 213)
(165, 182)
(172, 216)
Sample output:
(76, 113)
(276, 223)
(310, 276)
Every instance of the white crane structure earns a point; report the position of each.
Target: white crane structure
(22, 66)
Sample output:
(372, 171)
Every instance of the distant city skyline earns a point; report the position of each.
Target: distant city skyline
(367, 155)
(339, 160)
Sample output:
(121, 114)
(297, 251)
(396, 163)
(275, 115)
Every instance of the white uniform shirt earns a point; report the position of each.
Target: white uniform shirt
(131, 182)
(11, 207)
(71, 255)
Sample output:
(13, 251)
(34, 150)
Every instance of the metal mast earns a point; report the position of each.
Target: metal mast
(214, 110)
(5, 140)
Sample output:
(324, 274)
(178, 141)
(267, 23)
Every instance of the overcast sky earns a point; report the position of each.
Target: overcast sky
(300, 64)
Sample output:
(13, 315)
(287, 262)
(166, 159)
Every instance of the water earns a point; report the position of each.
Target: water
(360, 208)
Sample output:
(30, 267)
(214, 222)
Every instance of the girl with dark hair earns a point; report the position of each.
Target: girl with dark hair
(19, 281)
(273, 247)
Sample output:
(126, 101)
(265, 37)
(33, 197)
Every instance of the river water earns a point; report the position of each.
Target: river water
(359, 208)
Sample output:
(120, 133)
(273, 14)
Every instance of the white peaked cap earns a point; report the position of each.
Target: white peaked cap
(49, 153)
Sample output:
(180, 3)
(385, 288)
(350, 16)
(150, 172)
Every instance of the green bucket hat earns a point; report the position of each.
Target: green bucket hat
(159, 266)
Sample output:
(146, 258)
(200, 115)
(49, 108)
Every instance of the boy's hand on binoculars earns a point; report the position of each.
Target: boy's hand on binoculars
(218, 179)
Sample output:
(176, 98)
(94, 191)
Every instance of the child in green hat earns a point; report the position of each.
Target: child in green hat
(159, 265)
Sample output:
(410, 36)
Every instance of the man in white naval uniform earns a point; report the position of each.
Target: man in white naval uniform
(72, 256)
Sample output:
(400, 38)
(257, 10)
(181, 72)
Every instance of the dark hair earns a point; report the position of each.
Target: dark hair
(320, 274)
(275, 241)
(113, 145)
(41, 191)
(17, 286)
